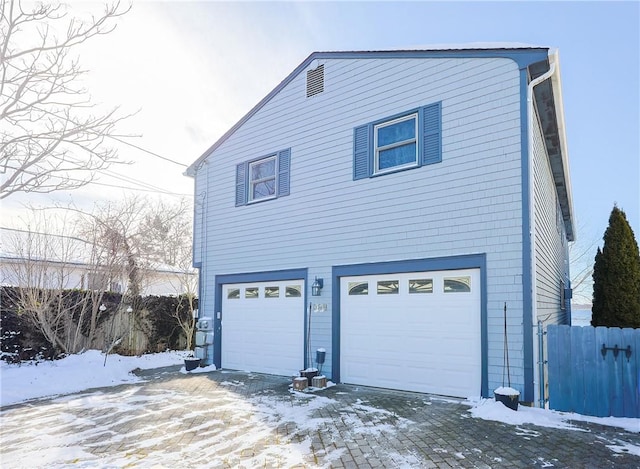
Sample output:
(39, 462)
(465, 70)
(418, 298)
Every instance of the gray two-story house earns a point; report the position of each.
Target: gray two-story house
(416, 193)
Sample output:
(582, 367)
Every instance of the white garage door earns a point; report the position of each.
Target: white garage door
(263, 327)
(412, 331)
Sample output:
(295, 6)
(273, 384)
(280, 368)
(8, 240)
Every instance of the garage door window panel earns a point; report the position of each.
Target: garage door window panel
(272, 292)
(358, 288)
(388, 287)
(293, 291)
(421, 285)
(457, 285)
(251, 292)
(233, 294)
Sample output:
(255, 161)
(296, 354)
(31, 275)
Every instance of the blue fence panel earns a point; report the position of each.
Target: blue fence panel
(558, 399)
(629, 373)
(593, 372)
(577, 371)
(615, 372)
(603, 406)
(591, 357)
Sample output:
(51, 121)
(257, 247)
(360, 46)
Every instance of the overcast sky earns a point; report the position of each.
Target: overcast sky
(193, 69)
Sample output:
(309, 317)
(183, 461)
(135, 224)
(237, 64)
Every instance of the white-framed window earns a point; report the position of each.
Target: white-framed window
(395, 144)
(407, 140)
(262, 178)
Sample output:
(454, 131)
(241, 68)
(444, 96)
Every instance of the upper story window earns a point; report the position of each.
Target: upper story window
(263, 178)
(408, 140)
(395, 144)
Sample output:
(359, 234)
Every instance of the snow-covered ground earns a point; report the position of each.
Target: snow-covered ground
(20, 383)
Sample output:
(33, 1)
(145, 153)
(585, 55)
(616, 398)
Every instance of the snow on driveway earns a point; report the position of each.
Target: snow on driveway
(227, 425)
(156, 426)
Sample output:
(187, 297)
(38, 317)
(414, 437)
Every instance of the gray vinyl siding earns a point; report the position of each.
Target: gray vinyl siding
(552, 265)
(469, 203)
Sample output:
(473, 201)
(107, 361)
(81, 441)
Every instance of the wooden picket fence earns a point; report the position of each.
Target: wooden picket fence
(594, 370)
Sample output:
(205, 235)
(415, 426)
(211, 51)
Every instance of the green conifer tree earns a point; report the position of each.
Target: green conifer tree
(616, 276)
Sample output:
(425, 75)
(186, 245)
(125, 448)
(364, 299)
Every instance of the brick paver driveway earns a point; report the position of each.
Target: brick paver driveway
(234, 419)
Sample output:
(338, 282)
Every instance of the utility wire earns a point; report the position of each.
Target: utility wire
(177, 194)
(46, 111)
(121, 177)
(131, 180)
(148, 151)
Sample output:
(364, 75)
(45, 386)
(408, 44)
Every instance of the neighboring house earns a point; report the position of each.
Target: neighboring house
(426, 189)
(29, 259)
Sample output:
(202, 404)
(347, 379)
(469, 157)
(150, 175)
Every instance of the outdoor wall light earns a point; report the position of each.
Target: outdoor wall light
(316, 286)
(102, 308)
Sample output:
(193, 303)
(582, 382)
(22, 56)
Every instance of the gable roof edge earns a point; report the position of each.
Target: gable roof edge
(522, 55)
(191, 170)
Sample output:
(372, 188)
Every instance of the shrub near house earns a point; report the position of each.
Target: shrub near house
(157, 325)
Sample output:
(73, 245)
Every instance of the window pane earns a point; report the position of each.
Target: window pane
(388, 287)
(423, 285)
(293, 291)
(251, 292)
(397, 156)
(358, 288)
(263, 189)
(263, 169)
(233, 293)
(457, 285)
(271, 292)
(403, 130)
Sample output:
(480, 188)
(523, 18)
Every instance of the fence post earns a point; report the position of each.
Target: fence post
(541, 364)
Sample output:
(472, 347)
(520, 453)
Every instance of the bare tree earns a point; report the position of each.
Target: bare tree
(50, 138)
(184, 315)
(44, 269)
(114, 227)
(581, 255)
(582, 272)
(167, 238)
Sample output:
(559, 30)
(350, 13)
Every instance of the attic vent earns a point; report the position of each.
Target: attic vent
(315, 81)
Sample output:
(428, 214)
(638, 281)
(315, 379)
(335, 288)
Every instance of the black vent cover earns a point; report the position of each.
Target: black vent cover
(315, 81)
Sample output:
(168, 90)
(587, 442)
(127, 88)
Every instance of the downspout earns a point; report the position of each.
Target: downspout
(532, 213)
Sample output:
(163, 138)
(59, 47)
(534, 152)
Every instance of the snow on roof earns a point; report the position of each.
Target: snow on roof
(18, 244)
(21, 244)
(467, 46)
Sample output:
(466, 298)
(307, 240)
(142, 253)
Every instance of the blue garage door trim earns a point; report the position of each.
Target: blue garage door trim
(471, 261)
(276, 275)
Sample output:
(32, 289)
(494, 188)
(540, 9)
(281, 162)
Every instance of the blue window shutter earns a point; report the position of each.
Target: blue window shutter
(361, 152)
(432, 133)
(241, 184)
(284, 166)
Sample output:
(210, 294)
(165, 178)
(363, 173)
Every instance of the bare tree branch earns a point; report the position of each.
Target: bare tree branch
(49, 129)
